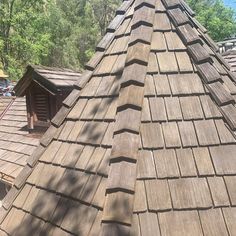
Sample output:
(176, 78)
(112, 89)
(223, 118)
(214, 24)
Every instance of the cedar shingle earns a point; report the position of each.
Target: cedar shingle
(158, 195)
(149, 88)
(173, 108)
(146, 114)
(208, 72)
(72, 155)
(203, 161)
(226, 165)
(90, 109)
(149, 224)
(230, 218)
(133, 74)
(128, 120)
(106, 65)
(188, 34)
(76, 224)
(198, 53)
(230, 182)
(191, 108)
(166, 163)
(178, 222)
(178, 16)
(140, 203)
(146, 166)
(190, 193)
(152, 63)
(186, 84)
(186, 162)
(122, 176)
(84, 157)
(157, 108)
(229, 113)
(90, 188)
(187, 134)
(99, 197)
(169, 67)
(77, 109)
(161, 22)
(143, 15)
(224, 133)
(92, 133)
(158, 42)
(138, 53)
(125, 145)
(152, 135)
(184, 62)
(220, 94)
(102, 109)
(206, 132)
(171, 134)
(218, 191)
(142, 33)
(118, 207)
(213, 222)
(209, 107)
(162, 85)
(131, 96)
(174, 43)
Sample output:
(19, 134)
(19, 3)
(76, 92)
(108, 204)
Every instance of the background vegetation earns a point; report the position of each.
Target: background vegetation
(64, 33)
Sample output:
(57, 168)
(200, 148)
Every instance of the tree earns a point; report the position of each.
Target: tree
(76, 27)
(23, 36)
(218, 19)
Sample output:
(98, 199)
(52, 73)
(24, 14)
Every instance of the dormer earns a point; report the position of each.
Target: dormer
(45, 88)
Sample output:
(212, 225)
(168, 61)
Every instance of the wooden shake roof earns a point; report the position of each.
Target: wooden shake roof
(145, 143)
(15, 143)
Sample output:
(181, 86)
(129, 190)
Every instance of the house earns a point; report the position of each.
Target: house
(45, 89)
(144, 144)
(230, 57)
(227, 44)
(23, 120)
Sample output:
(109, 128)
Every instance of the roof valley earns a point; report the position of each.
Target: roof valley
(123, 162)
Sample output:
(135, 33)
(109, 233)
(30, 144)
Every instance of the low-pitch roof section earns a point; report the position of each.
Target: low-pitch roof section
(145, 144)
(50, 78)
(16, 145)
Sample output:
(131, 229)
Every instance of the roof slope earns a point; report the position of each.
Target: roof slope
(50, 78)
(145, 144)
(15, 143)
(230, 57)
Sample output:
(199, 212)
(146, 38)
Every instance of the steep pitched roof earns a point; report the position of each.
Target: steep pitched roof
(144, 145)
(16, 145)
(230, 57)
(50, 78)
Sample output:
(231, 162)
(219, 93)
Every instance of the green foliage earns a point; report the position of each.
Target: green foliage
(218, 19)
(23, 36)
(76, 27)
(65, 33)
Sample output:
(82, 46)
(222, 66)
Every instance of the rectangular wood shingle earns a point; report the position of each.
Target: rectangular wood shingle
(206, 132)
(158, 195)
(171, 134)
(166, 163)
(152, 135)
(187, 134)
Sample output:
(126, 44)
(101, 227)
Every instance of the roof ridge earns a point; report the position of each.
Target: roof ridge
(119, 191)
(204, 62)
